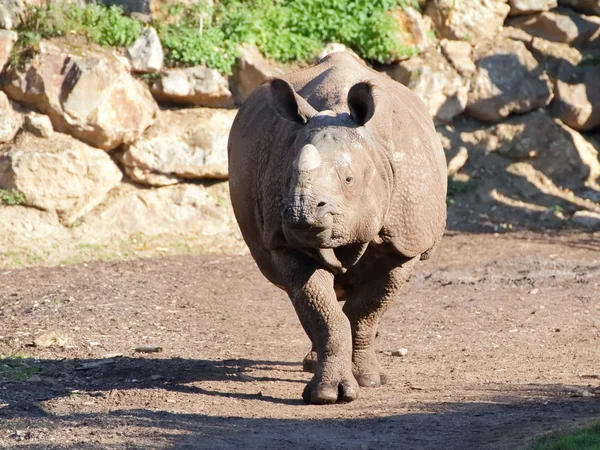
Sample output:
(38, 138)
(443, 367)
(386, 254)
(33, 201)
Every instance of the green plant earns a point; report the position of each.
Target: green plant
(10, 197)
(17, 366)
(587, 438)
(106, 26)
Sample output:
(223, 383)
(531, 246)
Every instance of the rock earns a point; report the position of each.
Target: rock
(88, 94)
(10, 120)
(585, 6)
(182, 208)
(400, 352)
(199, 86)
(459, 55)
(561, 25)
(520, 7)
(463, 20)
(551, 55)
(38, 124)
(250, 71)
(7, 42)
(62, 174)
(577, 96)
(52, 339)
(435, 81)
(548, 146)
(23, 226)
(11, 11)
(146, 53)
(414, 30)
(334, 47)
(184, 144)
(508, 80)
(588, 219)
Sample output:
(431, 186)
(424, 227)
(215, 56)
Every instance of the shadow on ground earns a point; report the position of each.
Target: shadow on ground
(502, 422)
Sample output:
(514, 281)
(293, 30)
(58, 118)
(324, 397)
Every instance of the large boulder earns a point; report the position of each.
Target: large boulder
(552, 55)
(62, 175)
(146, 53)
(88, 94)
(435, 81)
(414, 30)
(177, 209)
(10, 119)
(585, 6)
(7, 41)
(561, 25)
(184, 144)
(559, 153)
(250, 71)
(577, 96)
(459, 55)
(198, 86)
(520, 7)
(471, 20)
(508, 80)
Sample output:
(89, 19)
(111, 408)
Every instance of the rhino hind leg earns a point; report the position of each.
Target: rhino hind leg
(310, 287)
(364, 310)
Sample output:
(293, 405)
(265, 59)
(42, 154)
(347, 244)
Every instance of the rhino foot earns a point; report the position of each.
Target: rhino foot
(371, 379)
(327, 392)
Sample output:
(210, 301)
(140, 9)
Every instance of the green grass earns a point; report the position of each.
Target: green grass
(284, 30)
(10, 197)
(587, 438)
(17, 366)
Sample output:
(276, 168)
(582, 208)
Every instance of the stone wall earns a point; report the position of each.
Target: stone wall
(107, 145)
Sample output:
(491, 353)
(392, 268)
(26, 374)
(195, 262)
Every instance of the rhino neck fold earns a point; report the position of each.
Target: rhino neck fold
(340, 259)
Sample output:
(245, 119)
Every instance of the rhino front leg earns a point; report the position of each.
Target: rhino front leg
(365, 308)
(310, 287)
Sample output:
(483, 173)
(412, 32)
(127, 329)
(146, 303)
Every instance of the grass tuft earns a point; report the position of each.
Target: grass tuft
(587, 438)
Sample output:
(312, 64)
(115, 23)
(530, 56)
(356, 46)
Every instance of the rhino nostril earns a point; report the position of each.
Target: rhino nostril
(321, 204)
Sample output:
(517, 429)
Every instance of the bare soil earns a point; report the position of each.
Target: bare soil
(502, 334)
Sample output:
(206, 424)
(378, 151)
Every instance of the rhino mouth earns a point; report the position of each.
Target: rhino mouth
(315, 236)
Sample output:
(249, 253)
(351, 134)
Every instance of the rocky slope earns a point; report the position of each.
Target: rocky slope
(117, 155)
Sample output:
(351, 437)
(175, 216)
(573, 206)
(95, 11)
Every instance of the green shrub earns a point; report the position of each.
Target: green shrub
(10, 197)
(284, 30)
(106, 26)
(587, 438)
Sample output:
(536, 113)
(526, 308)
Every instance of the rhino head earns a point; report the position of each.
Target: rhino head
(337, 182)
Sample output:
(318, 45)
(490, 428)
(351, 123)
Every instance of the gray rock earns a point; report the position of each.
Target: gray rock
(198, 86)
(62, 175)
(146, 53)
(435, 81)
(10, 120)
(7, 41)
(184, 144)
(561, 25)
(577, 96)
(588, 219)
(250, 71)
(585, 6)
(471, 20)
(508, 80)
(90, 94)
(520, 7)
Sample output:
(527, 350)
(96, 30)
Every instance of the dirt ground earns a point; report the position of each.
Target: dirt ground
(502, 333)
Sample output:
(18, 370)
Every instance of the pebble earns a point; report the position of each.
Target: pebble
(400, 352)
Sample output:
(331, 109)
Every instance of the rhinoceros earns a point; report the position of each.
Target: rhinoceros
(338, 183)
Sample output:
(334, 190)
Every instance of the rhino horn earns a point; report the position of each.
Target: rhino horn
(308, 159)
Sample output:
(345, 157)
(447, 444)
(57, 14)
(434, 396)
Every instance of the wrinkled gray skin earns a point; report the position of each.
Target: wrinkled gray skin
(338, 183)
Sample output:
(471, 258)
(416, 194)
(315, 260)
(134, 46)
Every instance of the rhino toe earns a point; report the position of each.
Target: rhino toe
(327, 393)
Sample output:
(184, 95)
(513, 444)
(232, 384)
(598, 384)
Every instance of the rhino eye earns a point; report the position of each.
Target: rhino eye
(349, 180)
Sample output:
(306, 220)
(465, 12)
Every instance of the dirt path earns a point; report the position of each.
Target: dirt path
(502, 333)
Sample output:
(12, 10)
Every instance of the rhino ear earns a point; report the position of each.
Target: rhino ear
(361, 103)
(289, 104)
